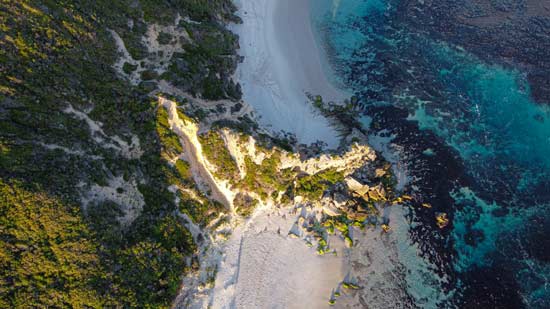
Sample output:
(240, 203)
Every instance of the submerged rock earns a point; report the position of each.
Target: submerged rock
(442, 220)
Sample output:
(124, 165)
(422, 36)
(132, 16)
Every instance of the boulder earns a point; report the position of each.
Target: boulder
(331, 211)
(377, 193)
(379, 172)
(357, 216)
(356, 186)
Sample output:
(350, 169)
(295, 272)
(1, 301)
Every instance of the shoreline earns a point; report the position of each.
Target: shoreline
(261, 264)
(283, 61)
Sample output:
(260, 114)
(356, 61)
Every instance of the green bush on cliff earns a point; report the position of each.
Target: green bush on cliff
(266, 178)
(184, 170)
(312, 186)
(169, 140)
(216, 153)
(202, 211)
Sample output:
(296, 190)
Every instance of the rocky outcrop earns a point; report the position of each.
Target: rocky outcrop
(441, 220)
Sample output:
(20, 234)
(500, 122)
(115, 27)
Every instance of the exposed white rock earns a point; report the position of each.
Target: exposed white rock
(241, 147)
(119, 191)
(356, 186)
(355, 157)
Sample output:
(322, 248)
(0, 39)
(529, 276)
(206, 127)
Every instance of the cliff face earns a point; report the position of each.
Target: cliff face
(257, 183)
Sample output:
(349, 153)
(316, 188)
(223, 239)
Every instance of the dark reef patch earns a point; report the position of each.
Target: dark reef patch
(491, 287)
(444, 107)
(511, 33)
(443, 165)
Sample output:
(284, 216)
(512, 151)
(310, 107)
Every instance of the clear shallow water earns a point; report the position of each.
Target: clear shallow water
(337, 22)
(481, 112)
(500, 119)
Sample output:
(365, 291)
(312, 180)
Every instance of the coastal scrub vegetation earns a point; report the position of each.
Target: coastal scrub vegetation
(312, 186)
(169, 140)
(266, 178)
(216, 152)
(199, 208)
(45, 244)
(65, 115)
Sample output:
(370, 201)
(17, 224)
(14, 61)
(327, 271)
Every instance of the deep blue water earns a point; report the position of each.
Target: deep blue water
(473, 118)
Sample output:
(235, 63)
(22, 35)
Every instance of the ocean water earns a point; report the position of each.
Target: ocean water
(447, 109)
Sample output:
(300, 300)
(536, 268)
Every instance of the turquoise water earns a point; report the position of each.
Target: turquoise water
(339, 20)
(482, 111)
(504, 119)
(477, 217)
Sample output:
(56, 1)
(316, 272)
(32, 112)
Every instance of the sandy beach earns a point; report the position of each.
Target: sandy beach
(264, 267)
(283, 61)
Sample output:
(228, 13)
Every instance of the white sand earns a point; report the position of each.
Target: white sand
(130, 199)
(282, 62)
(262, 268)
(130, 151)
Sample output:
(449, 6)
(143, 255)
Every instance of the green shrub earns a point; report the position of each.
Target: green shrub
(164, 38)
(129, 68)
(215, 151)
(169, 140)
(149, 75)
(312, 186)
(184, 170)
(266, 178)
(201, 211)
(245, 204)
